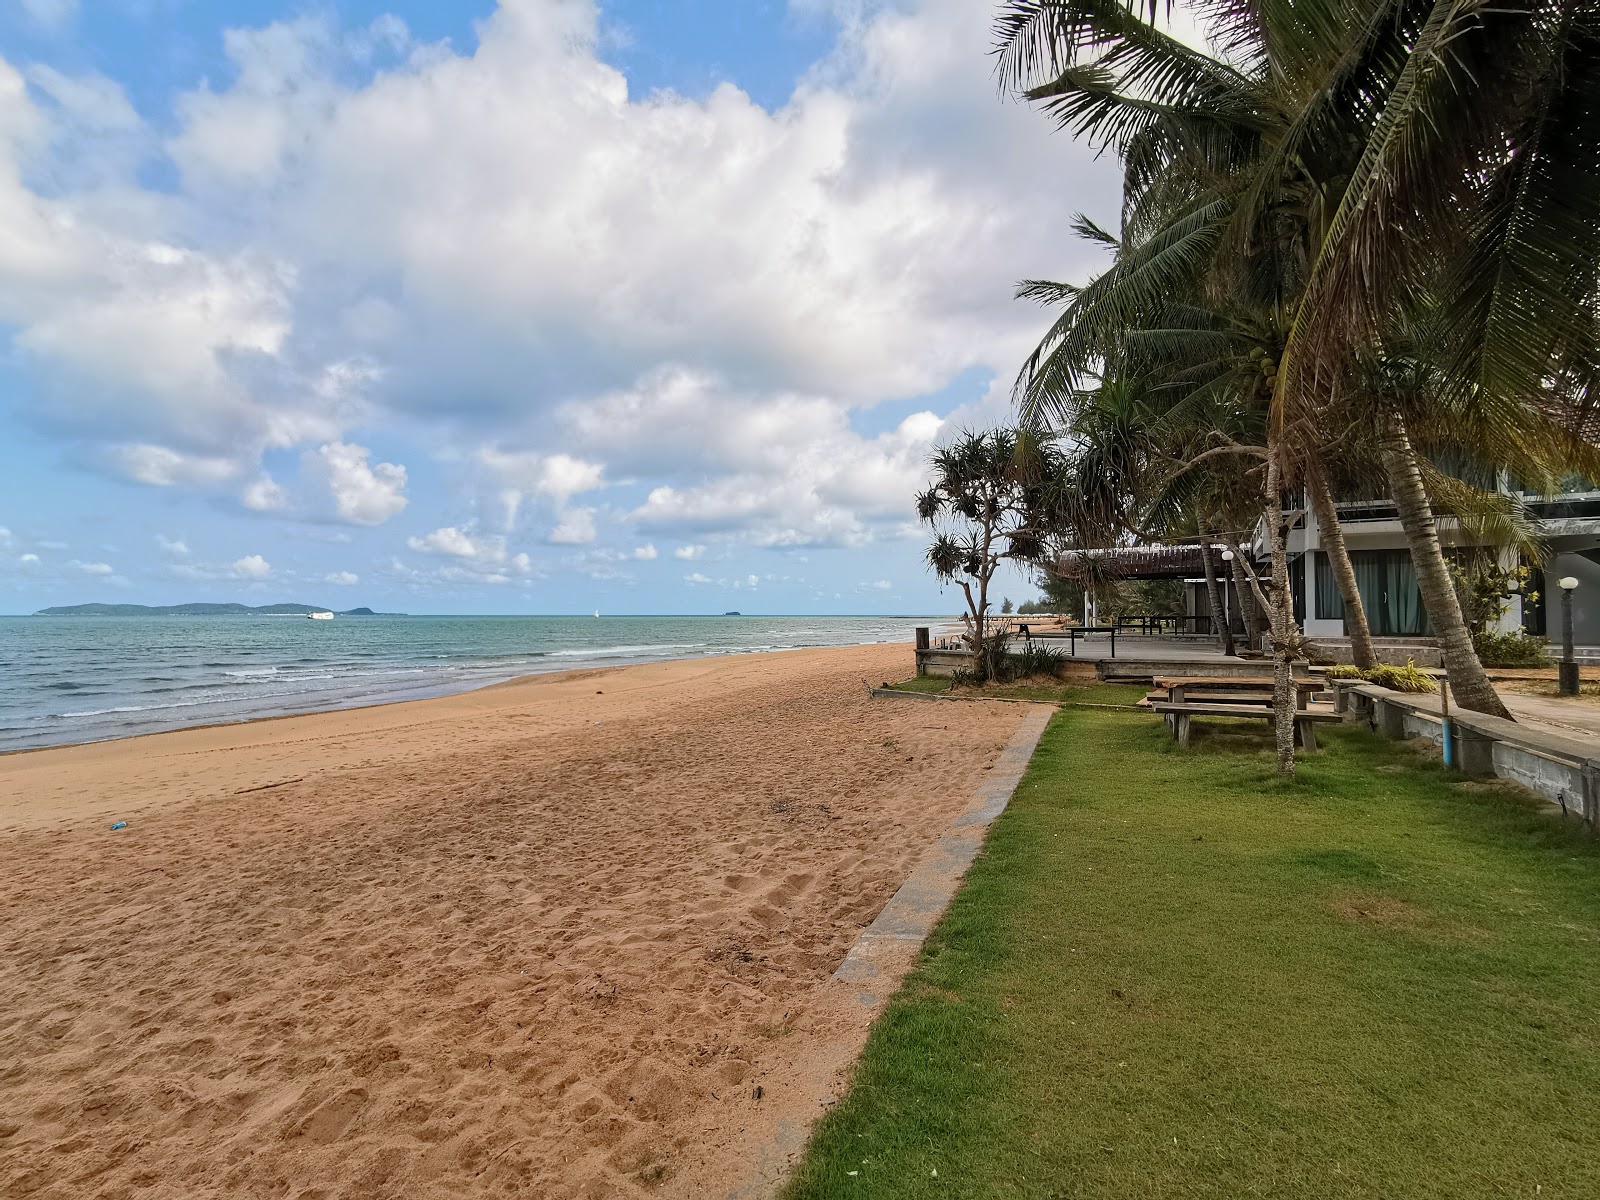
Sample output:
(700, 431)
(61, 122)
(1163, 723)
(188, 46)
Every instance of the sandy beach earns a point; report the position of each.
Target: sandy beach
(570, 936)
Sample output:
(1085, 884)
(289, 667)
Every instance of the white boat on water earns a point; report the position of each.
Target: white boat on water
(321, 616)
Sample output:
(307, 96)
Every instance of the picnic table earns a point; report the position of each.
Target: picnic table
(1178, 699)
(1231, 689)
(1071, 633)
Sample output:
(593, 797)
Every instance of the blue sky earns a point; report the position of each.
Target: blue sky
(538, 306)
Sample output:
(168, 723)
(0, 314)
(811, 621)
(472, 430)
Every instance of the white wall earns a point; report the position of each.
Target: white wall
(1585, 603)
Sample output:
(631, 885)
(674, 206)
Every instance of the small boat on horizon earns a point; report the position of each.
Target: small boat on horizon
(319, 616)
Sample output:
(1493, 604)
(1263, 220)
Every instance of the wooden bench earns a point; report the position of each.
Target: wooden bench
(1177, 714)
(1180, 688)
(1189, 696)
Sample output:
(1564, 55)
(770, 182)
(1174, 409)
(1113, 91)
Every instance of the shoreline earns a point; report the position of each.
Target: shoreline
(430, 692)
(588, 917)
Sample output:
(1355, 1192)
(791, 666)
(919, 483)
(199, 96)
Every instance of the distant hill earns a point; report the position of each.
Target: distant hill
(200, 610)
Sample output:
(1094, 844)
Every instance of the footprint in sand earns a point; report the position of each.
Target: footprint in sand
(331, 1120)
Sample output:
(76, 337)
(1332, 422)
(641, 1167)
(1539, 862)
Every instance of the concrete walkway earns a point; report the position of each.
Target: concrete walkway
(1568, 713)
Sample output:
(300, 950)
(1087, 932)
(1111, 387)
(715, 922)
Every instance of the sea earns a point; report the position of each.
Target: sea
(84, 679)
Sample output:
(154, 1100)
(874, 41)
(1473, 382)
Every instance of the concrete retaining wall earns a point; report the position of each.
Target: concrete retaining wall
(1565, 770)
(942, 663)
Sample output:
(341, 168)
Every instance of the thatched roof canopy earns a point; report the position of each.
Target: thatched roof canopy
(1131, 562)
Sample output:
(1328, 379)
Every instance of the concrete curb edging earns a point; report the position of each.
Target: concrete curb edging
(878, 693)
(888, 947)
(897, 933)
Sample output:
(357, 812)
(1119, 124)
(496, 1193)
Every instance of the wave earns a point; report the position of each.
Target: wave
(613, 651)
(100, 712)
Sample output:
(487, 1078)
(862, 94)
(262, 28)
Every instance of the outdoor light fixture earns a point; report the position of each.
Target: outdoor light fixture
(1567, 668)
(1227, 556)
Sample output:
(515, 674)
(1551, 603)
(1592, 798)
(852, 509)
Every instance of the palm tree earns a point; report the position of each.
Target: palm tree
(1333, 166)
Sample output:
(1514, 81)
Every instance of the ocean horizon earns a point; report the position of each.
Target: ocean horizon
(73, 679)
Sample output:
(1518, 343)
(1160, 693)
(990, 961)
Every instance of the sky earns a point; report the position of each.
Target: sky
(645, 306)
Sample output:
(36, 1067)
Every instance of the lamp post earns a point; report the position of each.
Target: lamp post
(1567, 669)
(1227, 578)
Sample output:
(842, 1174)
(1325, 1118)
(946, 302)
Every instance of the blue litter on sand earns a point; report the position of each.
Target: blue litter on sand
(120, 825)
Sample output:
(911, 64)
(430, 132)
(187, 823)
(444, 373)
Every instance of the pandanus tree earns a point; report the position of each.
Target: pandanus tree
(1338, 167)
(994, 495)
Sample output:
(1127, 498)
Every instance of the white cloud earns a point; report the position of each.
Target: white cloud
(29, 558)
(645, 553)
(263, 495)
(173, 546)
(483, 558)
(691, 296)
(93, 568)
(51, 14)
(92, 102)
(554, 477)
(880, 585)
(5, 536)
(342, 578)
(689, 552)
(457, 542)
(252, 566)
(696, 579)
(575, 527)
(362, 494)
(784, 470)
(160, 466)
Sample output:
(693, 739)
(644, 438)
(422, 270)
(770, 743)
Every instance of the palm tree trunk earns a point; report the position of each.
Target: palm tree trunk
(1284, 643)
(1219, 621)
(1355, 613)
(1468, 681)
(1249, 610)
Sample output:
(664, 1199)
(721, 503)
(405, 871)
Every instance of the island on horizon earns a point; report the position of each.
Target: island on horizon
(202, 610)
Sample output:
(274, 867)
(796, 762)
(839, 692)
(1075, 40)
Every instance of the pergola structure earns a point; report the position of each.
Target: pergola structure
(1130, 562)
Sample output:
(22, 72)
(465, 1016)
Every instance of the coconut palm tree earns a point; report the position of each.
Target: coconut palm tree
(1339, 166)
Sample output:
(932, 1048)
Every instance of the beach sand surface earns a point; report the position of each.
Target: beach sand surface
(570, 936)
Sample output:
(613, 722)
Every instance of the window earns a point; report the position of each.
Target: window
(1388, 585)
(1330, 604)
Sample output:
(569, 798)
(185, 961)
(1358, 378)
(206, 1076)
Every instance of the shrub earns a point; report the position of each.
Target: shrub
(1036, 659)
(1345, 671)
(1403, 679)
(1518, 649)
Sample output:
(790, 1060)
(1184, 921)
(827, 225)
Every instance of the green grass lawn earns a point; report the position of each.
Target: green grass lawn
(1170, 976)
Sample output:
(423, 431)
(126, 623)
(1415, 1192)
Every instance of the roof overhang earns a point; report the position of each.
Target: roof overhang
(1131, 562)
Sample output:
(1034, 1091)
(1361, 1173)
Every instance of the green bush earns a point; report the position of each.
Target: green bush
(1403, 679)
(1035, 659)
(1518, 649)
(1345, 671)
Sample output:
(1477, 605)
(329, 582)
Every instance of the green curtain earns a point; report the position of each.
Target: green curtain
(1406, 614)
(1369, 571)
(1330, 605)
(1387, 581)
